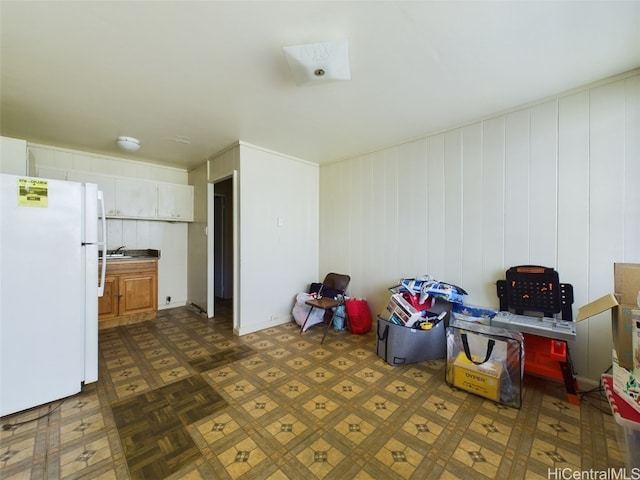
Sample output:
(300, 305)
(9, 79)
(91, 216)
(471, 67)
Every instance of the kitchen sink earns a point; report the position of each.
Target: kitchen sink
(118, 255)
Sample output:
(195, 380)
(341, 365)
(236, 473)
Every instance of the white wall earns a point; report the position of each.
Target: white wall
(277, 232)
(553, 184)
(197, 251)
(276, 260)
(169, 238)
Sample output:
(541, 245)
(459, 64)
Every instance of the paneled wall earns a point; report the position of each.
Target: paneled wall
(66, 159)
(554, 184)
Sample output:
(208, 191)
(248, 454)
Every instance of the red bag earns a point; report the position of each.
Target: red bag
(358, 315)
(414, 300)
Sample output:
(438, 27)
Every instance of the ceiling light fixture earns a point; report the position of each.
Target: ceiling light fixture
(319, 62)
(129, 144)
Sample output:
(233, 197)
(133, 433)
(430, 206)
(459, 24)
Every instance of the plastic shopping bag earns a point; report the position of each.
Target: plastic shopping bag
(485, 360)
(300, 311)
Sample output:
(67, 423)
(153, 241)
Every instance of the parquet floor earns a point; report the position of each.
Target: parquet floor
(183, 398)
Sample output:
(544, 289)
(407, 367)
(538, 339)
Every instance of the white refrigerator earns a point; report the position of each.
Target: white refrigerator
(49, 288)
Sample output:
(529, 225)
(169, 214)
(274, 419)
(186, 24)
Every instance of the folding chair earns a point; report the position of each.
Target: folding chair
(333, 286)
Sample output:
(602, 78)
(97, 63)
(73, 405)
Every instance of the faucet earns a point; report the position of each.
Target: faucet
(117, 250)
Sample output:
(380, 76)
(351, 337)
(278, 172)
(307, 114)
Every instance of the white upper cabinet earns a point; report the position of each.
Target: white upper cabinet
(105, 183)
(128, 192)
(175, 202)
(13, 156)
(136, 198)
(126, 197)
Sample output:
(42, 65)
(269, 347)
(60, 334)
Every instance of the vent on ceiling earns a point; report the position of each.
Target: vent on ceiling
(315, 63)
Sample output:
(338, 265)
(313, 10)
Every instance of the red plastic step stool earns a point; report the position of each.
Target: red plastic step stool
(549, 358)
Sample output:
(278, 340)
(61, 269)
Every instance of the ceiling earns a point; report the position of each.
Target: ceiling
(189, 78)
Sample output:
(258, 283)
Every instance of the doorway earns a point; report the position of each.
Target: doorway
(219, 265)
(223, 244)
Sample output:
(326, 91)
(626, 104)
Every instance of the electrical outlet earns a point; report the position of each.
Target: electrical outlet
(168, 299)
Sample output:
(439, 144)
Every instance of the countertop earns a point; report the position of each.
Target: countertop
(131, 255)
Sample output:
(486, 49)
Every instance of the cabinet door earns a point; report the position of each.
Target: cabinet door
(175, 202)
(184, 202)
(136, 198)
(138, 293)
(13, 156)
(105, 183)
(108, 303)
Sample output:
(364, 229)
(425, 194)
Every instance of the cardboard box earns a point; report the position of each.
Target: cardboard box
(620, 325)
(402, 310)
(625, 334)
(625, 384)
(484, 380)
(399, 345)
(628, 421)
(626, 277)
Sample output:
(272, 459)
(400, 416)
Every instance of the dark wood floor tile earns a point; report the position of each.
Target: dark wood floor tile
(152, 426)
(216, 360)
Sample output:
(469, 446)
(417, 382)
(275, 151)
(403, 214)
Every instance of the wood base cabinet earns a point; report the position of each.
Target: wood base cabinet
(130, 293)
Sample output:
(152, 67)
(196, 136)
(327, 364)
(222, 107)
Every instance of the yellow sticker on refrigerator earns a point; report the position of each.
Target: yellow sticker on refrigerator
(33, 192)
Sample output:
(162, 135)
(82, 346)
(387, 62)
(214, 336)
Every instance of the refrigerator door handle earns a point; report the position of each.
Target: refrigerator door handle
(103, 245)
